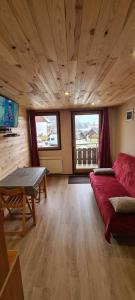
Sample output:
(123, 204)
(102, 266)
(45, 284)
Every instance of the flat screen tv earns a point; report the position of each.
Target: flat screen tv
(8, 112)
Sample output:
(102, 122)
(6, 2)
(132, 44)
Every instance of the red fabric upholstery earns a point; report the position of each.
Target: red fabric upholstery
(104, 141)
(33, 139)
(110, 186)
(124, 168)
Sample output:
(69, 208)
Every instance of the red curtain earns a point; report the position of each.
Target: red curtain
(33, 139)
(104, 141)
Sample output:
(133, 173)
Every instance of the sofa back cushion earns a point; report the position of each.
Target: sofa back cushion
(124, 168)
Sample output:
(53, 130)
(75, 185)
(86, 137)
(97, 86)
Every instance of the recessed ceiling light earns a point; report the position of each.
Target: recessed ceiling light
(66, 93)
(92, 103)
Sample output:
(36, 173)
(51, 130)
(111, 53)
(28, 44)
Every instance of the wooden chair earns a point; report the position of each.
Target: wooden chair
(12, 199)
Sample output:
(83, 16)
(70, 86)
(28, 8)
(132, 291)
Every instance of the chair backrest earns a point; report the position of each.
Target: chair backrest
(10, 195)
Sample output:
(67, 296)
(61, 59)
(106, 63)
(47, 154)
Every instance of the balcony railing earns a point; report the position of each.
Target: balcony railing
(87, 156)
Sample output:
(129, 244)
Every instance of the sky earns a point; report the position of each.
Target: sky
(88, 118)
(51, 119)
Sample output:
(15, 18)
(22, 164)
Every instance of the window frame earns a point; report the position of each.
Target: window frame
(73, 114)
(44, 113)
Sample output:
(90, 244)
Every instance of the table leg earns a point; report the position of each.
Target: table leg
(33, 210)
(45, 186)
(39, 193)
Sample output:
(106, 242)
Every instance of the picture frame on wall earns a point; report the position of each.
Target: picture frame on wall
(130, 115)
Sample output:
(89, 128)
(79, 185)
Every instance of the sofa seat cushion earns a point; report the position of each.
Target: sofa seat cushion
(105, 187)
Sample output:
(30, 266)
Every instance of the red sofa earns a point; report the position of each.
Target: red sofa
(122, 184)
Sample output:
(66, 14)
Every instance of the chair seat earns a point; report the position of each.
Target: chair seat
(12, 202)
(12, 199)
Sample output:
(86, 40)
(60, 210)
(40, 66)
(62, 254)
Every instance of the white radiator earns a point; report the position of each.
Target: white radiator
(53, 164)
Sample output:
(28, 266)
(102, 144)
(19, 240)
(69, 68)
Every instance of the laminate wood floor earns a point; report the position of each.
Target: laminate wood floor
(65, 257)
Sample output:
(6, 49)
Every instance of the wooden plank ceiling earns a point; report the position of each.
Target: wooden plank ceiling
(84, 47)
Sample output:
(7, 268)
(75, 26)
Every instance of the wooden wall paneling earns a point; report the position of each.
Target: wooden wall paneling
(56, 10)
(127, 37)
(56, 46)
(91, 11)
(78, 7)
(123, 83)
(72, 69)
(14, 151)
(43, 81)
(50, 67)
(32, 58)
(120, 49)
(40, 16)
(70, 28)
(90, 14)
(15, 38)
(106, 34)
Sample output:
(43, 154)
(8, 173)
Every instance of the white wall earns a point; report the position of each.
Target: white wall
(125, 130)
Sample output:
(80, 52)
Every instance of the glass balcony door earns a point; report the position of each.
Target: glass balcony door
(85, 141)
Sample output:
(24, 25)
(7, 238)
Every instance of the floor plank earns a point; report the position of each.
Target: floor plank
(65, 257)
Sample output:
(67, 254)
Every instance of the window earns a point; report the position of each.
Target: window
(48, 131)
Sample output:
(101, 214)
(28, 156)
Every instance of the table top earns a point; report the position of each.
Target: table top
(28, 178)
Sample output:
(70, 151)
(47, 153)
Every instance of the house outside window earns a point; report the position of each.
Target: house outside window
(48, 131)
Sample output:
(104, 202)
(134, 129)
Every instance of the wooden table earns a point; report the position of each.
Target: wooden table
(29, 179)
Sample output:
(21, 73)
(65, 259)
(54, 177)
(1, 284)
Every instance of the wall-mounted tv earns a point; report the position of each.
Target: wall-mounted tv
(8, 112)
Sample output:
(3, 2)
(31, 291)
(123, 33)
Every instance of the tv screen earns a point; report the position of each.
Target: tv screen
(8, 112)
